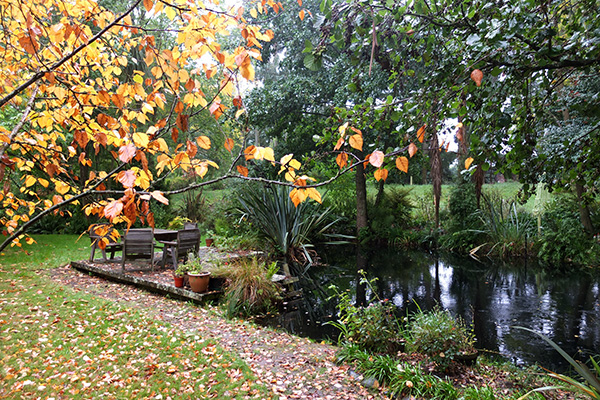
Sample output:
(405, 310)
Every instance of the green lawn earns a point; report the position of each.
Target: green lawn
(62, 343)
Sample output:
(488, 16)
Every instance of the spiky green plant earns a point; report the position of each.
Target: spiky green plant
(591, 379)
(289, 229)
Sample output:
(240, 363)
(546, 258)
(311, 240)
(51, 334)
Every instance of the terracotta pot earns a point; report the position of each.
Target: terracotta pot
(178, 281)
(209, 242)
(199, 282)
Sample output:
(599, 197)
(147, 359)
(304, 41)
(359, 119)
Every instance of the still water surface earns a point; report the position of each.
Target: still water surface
(491, 297)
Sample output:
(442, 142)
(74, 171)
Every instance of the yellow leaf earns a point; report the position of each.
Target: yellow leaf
(239, 112)
(314, 194)
(170, 12)
(43, 182)
(30, 181)
(468, 162)
(402, 164)
(140, 139)
(203, 142)
(412, 149)
(268, 154)
(253, 13)
(342, 129)
(356, 142)
(62, 187)
(376, 158)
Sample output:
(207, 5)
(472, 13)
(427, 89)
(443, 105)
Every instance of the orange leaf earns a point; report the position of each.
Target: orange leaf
(148, 4)
(203, 142)
(301, 15)
(381, 174)
(376, 158)
(297, 196)
(242, 170)
(182, 122)
(249, 152)
(421, 133)
(113, 209)
(402, 164)
(342, 160)
(191, 149)
(477, 76)
(127, 152)
(229, 144)
(356, 142)
(339, 144)
(300, 3)
(468, 162)
(412, 149)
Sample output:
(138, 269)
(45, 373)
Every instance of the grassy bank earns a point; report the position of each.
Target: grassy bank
(61, 343)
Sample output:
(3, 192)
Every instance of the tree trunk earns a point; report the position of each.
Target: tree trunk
(436, 175)
(362, 220)
(380, 191)
(478, 179)
(584, 211)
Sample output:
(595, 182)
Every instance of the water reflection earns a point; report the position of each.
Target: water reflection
(493, 298)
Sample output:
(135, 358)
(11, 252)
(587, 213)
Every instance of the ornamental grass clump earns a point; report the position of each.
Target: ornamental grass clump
(250, 289)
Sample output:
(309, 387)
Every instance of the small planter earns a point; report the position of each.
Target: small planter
(178, 280)
(209, 242)
(199, 282)
(467, 359)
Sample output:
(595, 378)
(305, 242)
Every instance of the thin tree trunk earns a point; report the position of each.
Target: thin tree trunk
(478, 179)
(584, 211)
(362, 220)
(436, 175)
(380, 191)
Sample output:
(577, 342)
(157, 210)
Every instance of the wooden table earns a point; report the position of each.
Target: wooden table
(165, 235)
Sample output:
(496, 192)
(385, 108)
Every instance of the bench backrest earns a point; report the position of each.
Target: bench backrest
(187, 240)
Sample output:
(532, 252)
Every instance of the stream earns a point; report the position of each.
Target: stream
(490, 297)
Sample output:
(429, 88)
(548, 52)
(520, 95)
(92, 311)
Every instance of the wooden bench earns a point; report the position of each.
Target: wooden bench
(105, 238)
(138, 244)
(187, 240)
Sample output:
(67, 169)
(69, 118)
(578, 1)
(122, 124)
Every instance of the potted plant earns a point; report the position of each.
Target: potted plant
(209, 234)
(179, 275)
(198, 277)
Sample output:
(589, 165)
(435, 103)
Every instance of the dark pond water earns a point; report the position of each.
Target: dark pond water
(491, 297)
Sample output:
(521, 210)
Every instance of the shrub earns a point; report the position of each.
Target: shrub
(440, 336)
(563, 239)
(410, 381)
(391, 217)
(374, 328)
(287, 228)
(463, 221)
